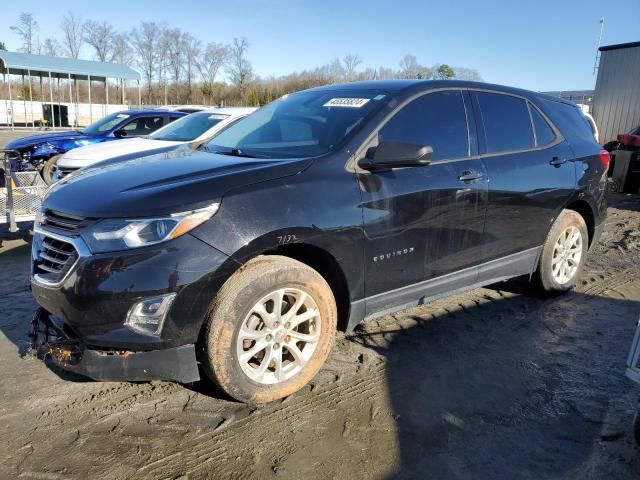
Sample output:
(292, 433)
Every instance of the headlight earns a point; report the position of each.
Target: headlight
(121, 234)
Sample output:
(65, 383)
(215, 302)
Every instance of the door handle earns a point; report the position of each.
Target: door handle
(470, 176)
(557, 161)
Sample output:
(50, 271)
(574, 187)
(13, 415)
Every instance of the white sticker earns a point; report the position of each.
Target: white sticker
(122, 115)
(346, 102)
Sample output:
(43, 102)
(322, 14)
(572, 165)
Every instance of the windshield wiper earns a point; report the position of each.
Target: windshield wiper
(236, 152)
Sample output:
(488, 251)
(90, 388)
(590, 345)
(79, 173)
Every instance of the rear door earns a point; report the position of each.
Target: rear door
(424, 222)
(532, 175)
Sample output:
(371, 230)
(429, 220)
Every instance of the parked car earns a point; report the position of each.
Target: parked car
(323, 208)
(196, 127)
(41, 151)
(593, 126)
(184, 108)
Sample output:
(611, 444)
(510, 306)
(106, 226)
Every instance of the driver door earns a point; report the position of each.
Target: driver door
(425, 222)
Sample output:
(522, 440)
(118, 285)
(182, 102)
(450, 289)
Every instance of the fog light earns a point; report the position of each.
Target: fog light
(147, 316)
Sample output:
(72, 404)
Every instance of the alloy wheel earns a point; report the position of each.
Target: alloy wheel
(567, 254)
(279, 336)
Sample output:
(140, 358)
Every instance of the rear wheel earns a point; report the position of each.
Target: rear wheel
(269, 331)
(48, 168)
(564, 253)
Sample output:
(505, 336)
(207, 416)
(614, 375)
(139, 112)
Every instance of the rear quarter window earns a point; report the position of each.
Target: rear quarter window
(573, 125)
(544, 133)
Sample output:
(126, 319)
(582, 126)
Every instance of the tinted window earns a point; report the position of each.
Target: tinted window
(544, 133)
(506, 121)
(437, 120)
(570, 121)
(304, 124)
(143, 125)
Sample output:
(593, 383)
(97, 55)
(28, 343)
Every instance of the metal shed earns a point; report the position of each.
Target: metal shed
(616, 105)
(41, 66)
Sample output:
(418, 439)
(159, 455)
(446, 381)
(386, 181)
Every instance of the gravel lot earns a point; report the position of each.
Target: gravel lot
(494, 383)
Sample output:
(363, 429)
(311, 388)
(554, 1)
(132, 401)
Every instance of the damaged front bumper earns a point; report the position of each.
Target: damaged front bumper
(50, 338)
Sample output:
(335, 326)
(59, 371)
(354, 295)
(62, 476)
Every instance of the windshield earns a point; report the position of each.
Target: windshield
(188, 128)
(105, 124)
(303, 124)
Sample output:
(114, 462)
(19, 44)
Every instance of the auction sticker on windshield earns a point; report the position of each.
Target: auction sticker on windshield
(346, 102)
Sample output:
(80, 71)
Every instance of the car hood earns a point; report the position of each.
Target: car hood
(55, 138)
(90, 154)
(160, 184)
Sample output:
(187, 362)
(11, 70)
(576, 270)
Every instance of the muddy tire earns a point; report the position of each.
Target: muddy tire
(563, 254)
(47, 169)
(269, 330)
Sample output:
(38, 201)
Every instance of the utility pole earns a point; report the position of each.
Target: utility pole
(595, 64)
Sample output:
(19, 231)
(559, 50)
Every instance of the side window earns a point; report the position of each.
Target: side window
(544, 133)
(570, 121)
(507, 126)
(168, 120)
(436, 119)
(143, 125)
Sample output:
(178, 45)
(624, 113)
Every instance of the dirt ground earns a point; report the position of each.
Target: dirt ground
(495, 383)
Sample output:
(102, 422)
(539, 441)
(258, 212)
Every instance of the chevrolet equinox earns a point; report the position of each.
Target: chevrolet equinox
(238, 259)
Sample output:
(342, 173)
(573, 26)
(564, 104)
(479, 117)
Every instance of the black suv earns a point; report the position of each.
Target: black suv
(243, 256)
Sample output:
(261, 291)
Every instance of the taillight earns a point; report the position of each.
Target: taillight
(604, 158)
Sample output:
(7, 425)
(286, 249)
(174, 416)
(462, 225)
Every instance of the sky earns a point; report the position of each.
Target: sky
(538, 45)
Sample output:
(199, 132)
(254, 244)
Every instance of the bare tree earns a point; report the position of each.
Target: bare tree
(73, 31)
(175, 56)
(122, 51)
(336, 70)
(192, 47)
(51, 47)
(410, 68)
(25, 29)
(100, 36)
(351, 62)
(163, 53)
(144, 41)
(471, 74)
(211, 61)
(239, 69)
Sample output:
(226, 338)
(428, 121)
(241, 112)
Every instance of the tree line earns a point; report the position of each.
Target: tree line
(177, 67)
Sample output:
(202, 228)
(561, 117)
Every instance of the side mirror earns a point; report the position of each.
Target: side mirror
(120, 133)
(395, 155)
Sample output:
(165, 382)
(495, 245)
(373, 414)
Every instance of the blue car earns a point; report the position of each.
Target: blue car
(42, 151)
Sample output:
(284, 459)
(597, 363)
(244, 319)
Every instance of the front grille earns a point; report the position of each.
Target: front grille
(62, 221)
(53, 258)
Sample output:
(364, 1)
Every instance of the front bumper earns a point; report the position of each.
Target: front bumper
(98, 291)
(50, 338)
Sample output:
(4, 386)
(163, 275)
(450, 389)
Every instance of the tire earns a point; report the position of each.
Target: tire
(559, 245)
(244, 307)
(47, 169)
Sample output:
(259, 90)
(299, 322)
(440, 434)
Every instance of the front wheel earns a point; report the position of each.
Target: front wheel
(48, 168)
(269, 331)
(564, 253)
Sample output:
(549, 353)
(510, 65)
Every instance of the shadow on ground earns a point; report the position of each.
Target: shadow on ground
(516, 388)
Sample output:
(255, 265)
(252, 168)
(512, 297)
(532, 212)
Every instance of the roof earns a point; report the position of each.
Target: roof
(619, 46)
(233, 110)
(62, 67)
(410, 86)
